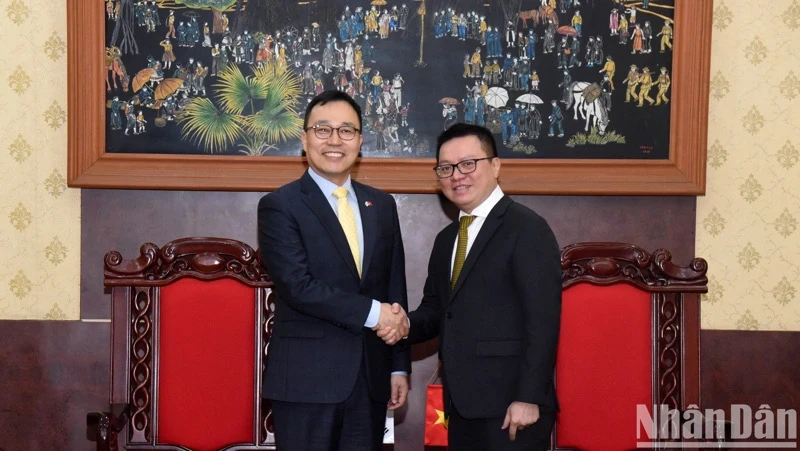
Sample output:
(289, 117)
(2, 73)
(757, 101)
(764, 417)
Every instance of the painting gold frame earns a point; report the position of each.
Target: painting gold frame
(683, 173)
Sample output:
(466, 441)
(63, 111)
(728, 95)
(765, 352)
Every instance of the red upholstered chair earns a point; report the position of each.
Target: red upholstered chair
(190, 326)
(629, 336)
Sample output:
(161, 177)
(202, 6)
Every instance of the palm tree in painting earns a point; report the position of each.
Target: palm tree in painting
(276, 120)
(257, 109)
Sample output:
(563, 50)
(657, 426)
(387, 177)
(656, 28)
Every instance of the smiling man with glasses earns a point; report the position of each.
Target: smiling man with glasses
(493, 297)
(463, 178)
(333, 248)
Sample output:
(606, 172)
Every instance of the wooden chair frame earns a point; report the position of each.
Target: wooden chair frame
(135, 296)
(675, 296)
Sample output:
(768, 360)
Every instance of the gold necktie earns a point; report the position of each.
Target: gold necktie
(348, 221)
(461, 248)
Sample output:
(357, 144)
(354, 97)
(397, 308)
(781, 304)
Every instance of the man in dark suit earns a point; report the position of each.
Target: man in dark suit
(493, 296)
(334, 251)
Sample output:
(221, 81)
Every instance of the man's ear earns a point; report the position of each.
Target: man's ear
(303, 138)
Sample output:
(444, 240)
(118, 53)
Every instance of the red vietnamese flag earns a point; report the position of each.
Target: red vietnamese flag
(435, 421)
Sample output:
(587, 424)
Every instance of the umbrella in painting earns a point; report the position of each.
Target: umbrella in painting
(168, 87)
(449, 101)
(530, 99)
(378, 2)
(290, 31)
(191, 14)
(496, 97)
(567, 30)
(142, 77)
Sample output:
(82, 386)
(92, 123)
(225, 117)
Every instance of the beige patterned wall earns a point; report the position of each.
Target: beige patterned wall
(747, 224)
(39, 216)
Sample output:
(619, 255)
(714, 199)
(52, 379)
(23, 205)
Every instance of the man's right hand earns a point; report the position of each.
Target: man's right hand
(392, 323)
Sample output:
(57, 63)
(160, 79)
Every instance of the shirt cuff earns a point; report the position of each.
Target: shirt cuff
(400, 373)
(374, 314)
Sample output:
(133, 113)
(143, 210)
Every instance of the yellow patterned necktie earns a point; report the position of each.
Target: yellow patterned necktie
(461, 248)
(348, 221)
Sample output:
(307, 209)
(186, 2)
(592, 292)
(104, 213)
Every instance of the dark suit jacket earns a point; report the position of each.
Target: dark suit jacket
(319, 337)
(499, 327)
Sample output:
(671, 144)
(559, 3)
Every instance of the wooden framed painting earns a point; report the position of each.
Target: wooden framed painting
(598, 97)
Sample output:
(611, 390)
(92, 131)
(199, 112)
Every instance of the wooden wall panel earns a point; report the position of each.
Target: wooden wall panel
(51, 374)
(750, 367)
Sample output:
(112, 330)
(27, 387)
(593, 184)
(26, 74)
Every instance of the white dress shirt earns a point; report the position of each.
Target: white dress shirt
(480, 212)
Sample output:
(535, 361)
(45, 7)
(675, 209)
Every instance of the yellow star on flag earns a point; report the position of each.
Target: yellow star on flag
(441, 419)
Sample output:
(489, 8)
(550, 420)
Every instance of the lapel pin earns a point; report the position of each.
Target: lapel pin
(368, 203)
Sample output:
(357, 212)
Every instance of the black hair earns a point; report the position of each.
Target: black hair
(460, 130)
(332, 96)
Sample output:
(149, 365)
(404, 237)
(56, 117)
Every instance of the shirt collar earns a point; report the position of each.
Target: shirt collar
(483, 210)
(327, 186)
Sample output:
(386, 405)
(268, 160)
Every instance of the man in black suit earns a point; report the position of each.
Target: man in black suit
(334, 251)
(493, 296)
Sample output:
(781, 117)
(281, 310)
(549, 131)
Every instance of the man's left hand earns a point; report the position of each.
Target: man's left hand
(399, 391)
(519, 415)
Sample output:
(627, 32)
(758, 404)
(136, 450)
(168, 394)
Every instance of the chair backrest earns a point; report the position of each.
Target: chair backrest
(191, 323)
(629, 340)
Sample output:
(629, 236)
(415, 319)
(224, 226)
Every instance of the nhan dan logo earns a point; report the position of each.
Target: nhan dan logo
(739, 427)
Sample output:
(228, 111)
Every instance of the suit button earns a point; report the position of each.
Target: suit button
(448, 315)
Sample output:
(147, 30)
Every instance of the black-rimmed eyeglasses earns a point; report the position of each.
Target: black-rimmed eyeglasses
(444, 171)
(346, 132)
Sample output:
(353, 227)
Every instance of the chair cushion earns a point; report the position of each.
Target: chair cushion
(604, 366)
(206, 366)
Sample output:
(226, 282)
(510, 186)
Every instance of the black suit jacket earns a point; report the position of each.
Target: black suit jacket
(499, 327)
(319, 339)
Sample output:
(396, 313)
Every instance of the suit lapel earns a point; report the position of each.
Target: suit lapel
(369, 224)
(489, 227)
(317, 202)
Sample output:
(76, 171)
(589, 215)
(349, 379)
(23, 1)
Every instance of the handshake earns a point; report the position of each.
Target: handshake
(393, 323)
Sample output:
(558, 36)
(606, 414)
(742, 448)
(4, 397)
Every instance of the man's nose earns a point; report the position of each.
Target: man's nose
(335, 138)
